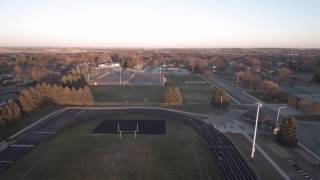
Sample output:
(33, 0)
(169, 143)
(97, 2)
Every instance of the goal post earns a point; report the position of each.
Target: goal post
(121, 131)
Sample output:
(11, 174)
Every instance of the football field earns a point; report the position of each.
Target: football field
(77, 153)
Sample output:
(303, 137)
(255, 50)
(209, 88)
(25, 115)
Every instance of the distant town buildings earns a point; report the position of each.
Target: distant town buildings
(109, 65)
(306, 99)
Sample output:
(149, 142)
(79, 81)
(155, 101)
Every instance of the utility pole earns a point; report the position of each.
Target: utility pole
(237, 80)
(255, 131)
(120, 76)
(88, 73)
(277, 127)
(160, 74)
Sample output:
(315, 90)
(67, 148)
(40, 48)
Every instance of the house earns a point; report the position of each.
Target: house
(308, 103)
(304, 98)
(109, 65)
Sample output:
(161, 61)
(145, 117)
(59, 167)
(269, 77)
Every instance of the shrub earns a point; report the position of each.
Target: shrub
(288, 134)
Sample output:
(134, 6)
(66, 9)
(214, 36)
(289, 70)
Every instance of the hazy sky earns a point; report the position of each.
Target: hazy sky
(160, 23)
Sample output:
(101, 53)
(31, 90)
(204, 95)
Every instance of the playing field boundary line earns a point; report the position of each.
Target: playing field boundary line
(138, 107)
(52, 114)
(216, 85)
(309, 151)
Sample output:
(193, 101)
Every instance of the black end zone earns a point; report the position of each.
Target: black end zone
(128, 126)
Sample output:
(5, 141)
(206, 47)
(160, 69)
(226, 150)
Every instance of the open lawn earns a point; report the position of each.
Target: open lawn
(76, 153)
(194, 89)
(141, 94)
(196, 93)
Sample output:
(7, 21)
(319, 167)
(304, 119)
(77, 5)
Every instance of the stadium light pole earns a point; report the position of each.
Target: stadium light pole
(120, 76)
(160, 74)
(255, 131)
(277, 127)
(88, 73)
(237, 80)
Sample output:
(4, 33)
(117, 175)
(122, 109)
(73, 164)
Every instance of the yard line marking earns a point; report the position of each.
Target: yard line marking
(6, 162)
(216, 85)
(44, 132)
(142, 169)
(21, 145)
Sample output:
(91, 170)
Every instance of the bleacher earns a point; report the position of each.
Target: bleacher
(33, 137)
(229, 160)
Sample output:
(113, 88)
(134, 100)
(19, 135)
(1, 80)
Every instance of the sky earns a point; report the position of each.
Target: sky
(161, 23)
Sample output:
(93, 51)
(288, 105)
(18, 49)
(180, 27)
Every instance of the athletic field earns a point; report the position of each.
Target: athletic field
(76, 153)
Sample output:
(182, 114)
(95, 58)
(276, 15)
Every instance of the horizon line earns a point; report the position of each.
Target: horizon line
(145, 47)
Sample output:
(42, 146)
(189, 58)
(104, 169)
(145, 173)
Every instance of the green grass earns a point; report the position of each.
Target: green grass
(27, 119)
(142, 94)
(197, 93)
(76, 154)
(196, 96)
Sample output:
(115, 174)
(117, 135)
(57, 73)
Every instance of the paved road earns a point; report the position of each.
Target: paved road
(308, 135)
(242, 96)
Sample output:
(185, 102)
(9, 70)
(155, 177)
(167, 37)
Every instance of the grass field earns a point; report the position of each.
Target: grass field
(145, 94)
(196, 93)
(194, 89)
(77, 154)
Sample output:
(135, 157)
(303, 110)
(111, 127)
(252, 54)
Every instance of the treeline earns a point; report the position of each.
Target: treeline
(10, 112)
(33, 97)
(73, 78)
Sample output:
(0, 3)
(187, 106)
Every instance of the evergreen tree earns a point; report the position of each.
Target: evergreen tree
(41, 91)
(67, 96)
(2, 118)
(9, 113)
(87, 98)
(288, 134)
(178, 98)
(27, 101)
(36, 98)
(55, 94)
(15, 108)
(219, 98)
(47, 90)
(75, 96)
(173, 96)
(168, 96)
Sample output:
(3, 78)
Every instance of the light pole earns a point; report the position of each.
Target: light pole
(277, 127)
(237, 80)
(255, 131)
(220, 102)
(160, 74)
(120, 77)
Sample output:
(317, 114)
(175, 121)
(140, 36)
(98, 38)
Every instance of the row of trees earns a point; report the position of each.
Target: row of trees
(33, 97)
(173, 96)
(10, 112)
(269, 87)
(73, 78)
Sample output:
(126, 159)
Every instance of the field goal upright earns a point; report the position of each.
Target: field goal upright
(120, 131)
